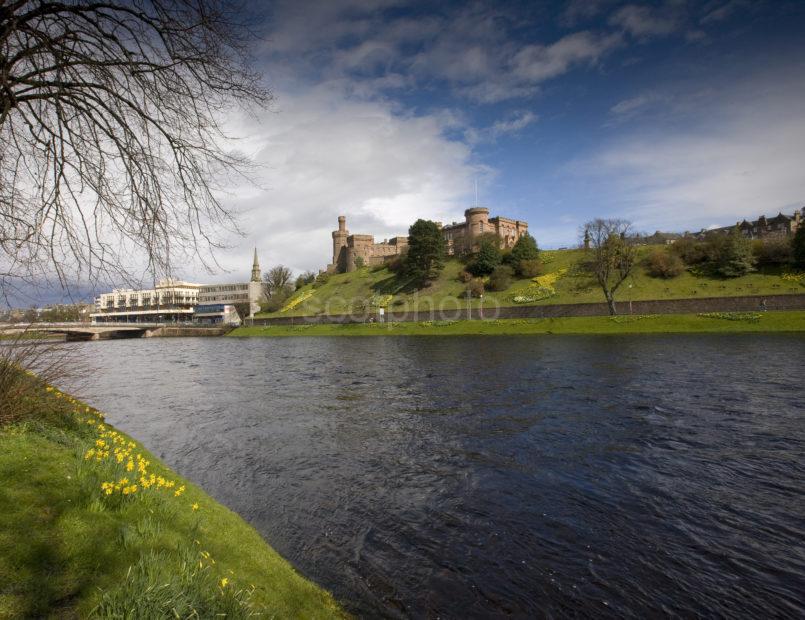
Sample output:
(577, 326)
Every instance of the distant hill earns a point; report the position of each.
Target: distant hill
(562, 282)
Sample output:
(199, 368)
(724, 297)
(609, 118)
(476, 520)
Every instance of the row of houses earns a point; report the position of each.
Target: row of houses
(780, 226)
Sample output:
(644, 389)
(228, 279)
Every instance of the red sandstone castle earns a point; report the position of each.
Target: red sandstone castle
(351, 251)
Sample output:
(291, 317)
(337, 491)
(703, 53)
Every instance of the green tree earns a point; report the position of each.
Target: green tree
(735, 257)
(524, 250)
(426, 250)
(798, 246)
(488, 257)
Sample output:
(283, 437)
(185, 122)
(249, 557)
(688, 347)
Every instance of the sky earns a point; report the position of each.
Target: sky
(675, 114)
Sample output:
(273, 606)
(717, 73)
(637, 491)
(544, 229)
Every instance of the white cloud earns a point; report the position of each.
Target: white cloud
(326, 155)
(509, 125)
(723, 11)
(643, 21)
(498, 70)
(633, 106)
(741, 157)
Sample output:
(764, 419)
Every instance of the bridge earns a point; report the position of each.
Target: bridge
(75, 332)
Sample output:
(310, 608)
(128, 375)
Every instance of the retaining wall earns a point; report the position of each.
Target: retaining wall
(655, 306)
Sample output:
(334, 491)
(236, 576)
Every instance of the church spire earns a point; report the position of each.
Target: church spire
(256, 268)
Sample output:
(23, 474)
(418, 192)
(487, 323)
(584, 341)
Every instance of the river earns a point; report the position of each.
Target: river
(465, 477)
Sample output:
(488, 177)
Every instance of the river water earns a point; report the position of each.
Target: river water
(494, 476)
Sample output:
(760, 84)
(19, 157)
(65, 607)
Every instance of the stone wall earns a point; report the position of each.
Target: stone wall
(659, 306)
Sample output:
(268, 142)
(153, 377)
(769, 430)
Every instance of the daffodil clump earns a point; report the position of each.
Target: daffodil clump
(751, 317)
(133, 475)
(542, 288)
(550, 279)
(380, 301)
(790, 275)
(297, 299)
(114, 447)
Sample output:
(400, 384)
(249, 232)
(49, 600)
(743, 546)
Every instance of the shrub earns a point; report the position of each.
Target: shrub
(487, 258)
(20, 392)
(733, 255)
(359, 262)
(396, 264)
(772, 251)
(663, 264)
(321, 279)
(530, 268)
(464, 276)
(305, 278)
(690, 250)
(475, 287)
(272, 304)
(501, 278)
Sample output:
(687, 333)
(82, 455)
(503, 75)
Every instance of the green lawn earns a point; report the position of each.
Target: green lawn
(369, 288)
(69, 549)
(736, 322)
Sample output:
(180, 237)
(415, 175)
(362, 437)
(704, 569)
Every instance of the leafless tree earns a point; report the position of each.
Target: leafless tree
(112, 148)
(277, 280)
(611, 255)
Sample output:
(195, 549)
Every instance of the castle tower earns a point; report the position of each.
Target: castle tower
(477, 220)
(256, 276)
(340, 245)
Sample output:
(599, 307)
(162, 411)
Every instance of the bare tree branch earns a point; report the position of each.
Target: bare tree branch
(111, 143)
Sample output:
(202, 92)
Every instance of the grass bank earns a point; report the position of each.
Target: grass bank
(719, 322)
(32, 335)
(93, 525)
(563, 282)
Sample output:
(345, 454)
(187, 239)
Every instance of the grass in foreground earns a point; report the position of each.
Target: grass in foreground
(716, 322)
(93, 525)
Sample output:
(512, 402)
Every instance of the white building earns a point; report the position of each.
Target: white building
(169, 301)
(173, 301)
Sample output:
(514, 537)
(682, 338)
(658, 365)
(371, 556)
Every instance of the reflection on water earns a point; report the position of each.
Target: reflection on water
(466, 477)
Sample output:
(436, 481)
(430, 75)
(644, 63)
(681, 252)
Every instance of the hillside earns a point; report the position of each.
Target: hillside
(562, 282)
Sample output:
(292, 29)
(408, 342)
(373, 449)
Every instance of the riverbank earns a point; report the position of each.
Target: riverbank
(93, 524)
(719, 322)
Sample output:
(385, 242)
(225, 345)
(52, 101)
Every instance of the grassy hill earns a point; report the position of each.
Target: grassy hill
(562, 282)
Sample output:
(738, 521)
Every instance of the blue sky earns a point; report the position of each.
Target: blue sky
(677, 115)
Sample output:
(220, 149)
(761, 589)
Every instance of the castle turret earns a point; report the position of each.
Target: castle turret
(340, 244)
(256, 276)
(477, 220)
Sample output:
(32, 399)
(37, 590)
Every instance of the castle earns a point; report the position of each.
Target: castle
(460, 237)
(353, 251)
